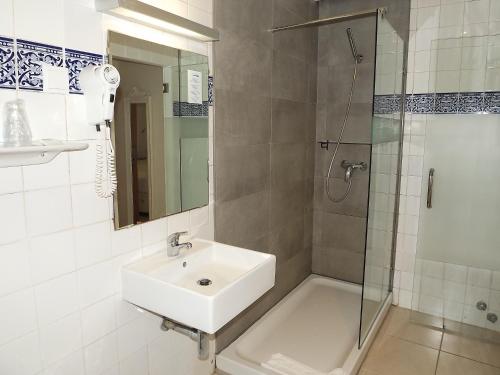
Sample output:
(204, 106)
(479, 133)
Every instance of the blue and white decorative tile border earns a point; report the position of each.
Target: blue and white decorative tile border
(75, 62)
(470, 102)
(30, 56)
(210, 91)
(440, 103)
(492, 102)
(420, 103)
(190, 110)
(446, 103)
(384, 104)
(27, 58)
(7, 64)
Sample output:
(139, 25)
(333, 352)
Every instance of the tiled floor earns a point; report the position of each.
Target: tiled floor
(406, 348)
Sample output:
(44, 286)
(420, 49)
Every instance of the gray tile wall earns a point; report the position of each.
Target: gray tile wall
(339, 228)
(265, 108)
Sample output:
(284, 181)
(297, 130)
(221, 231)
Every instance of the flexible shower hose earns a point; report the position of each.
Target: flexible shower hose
(341, 135)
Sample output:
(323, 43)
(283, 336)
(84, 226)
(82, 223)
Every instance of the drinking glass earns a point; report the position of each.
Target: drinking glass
(16, 128)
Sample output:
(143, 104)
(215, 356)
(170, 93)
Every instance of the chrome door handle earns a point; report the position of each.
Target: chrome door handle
(430, 183)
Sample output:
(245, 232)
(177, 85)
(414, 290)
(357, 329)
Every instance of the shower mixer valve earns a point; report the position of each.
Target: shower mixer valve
(351, 166)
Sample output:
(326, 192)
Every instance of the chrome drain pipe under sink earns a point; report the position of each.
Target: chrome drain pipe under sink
(201, 338)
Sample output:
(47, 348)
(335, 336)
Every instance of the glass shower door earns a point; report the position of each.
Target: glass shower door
(384, 170)
(457, 271)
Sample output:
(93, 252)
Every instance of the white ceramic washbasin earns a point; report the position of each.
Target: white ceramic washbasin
(169, 286)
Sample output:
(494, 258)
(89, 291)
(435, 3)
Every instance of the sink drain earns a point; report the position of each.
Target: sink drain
(204, 282)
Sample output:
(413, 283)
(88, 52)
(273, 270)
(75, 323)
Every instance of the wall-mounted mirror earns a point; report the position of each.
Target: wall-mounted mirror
(160, 130)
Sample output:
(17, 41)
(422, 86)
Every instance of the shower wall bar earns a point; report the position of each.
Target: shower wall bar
(327, 21)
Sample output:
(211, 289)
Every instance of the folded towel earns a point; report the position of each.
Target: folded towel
(284, 365)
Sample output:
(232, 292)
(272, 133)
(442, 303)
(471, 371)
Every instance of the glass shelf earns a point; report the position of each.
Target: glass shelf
(40, 152)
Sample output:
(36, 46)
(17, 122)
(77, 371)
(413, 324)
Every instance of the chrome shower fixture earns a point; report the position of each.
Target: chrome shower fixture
(351, 166)
(492, 317)
(357, 57)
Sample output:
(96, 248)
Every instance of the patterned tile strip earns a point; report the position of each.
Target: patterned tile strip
(383, 104)
(30, 56)
(441, 103)
(7, 64)
(75, 62)
(471, 102)
(446, 103)
(210, 91)
(190, 110)
(492, 102)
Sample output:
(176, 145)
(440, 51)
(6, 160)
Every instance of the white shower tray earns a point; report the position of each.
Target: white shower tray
(40, 152)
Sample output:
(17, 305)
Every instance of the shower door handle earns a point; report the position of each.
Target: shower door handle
(430, 185)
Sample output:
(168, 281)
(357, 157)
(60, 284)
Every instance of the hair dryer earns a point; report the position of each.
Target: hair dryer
(99, 84)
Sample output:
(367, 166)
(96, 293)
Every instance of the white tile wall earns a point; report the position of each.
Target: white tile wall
(15, 221)
(48, 210)
(52, 255)
(56, 298)
(60, 306)
(14, 267)
(29, 13)
(448, 19)
(22, 355)
(6, 17)
(17, 310)
(61, 338)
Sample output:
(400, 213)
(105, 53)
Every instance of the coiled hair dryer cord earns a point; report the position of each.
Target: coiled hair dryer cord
(105, 172)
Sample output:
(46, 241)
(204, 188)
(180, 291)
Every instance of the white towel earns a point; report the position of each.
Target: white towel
(284, 365)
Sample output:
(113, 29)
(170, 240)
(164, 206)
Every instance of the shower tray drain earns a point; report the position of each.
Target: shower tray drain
(204, 282)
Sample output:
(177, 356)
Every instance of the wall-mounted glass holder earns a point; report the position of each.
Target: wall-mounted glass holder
(40, 152)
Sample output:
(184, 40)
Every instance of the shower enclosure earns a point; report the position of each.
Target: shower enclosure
(359, 112)
(355, 209)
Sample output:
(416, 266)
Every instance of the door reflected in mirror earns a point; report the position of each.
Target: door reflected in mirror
(140, 164)
(160, 130)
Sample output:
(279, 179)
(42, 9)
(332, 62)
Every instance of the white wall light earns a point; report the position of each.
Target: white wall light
(137, 11)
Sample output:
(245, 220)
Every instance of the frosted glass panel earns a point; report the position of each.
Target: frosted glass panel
(194, 172)
(458, 238)
(463, 225)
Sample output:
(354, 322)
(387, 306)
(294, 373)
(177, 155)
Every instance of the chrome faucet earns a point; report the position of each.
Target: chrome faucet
(351, 166)
(173, 245)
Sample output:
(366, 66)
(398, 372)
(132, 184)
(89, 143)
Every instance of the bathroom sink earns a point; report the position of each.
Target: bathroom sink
(203, 287)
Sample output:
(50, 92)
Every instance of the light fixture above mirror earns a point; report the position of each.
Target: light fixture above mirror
(157, 18)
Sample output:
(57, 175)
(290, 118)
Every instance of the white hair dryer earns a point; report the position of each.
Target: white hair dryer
(99, 85)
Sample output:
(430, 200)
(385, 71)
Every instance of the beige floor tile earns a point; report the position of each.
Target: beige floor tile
(462, 329)
(472, 348)
(398, 324)
(450, 364)
(399, 357)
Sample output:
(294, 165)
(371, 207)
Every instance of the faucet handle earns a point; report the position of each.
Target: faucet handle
(173, 239)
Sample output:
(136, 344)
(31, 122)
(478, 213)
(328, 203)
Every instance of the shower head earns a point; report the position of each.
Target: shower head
(357, 57)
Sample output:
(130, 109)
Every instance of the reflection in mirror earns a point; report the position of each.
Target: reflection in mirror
(160, 130)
